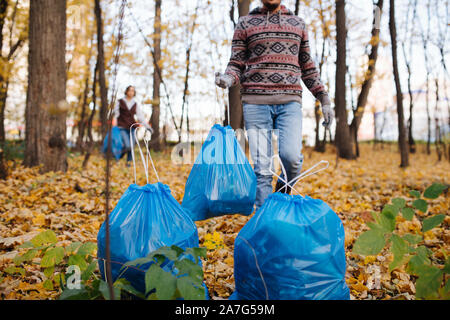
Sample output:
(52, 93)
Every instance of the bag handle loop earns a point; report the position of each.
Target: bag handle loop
(301, 176)
(144, 159)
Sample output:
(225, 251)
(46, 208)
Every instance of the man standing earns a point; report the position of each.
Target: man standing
(270, 54)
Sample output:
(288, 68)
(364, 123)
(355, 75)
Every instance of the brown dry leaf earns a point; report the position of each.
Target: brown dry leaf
(30, 202)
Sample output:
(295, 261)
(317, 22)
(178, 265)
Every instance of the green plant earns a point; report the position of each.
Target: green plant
(409, 249)
(55, 259)
(172, 274)
(60, 264)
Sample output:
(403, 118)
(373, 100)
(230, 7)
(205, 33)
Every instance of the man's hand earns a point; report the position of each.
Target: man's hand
(224, 80)
(114, 122)
(328, 115)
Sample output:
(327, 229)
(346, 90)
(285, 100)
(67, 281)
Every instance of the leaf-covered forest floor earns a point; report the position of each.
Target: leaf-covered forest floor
(72, 205)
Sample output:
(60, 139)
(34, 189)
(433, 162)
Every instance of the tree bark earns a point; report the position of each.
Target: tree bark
(411, 142)
(404, 155)
(82, 122)
(90, 138)
(154, 120)
(368, 80)
(236, 120)
(101, 70)
(297, 7)
(343, 139)
(46, 107)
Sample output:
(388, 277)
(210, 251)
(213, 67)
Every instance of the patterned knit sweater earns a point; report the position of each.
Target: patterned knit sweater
(270, 54)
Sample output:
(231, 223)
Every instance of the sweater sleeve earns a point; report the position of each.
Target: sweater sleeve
(310, 73)
(239, 53)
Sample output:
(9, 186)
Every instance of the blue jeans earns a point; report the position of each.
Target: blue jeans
(125, 133)
(260, 122)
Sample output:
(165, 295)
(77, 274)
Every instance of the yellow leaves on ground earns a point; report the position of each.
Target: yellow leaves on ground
(72, 205)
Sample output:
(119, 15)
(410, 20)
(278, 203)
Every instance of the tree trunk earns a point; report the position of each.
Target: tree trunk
(90, 138)
(427, 103)
(411, 142)
(343, 139)
(401, 119)
(101, 71)
(46, 107)
(367, 84)
(82, 122)
(154, 120)
(297, 7)
(234, 93)
(4, 85)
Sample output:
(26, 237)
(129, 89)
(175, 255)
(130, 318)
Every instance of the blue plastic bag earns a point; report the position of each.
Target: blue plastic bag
(116, 143)
(292, 249)
(145, 219)
(222, 181)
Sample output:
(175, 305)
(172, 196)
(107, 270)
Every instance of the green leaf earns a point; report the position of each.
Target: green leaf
(408, 213)
(48, 284)
(77, 260)
(138, 262)
(87, 248)
(75, 294)
(164, 282)
(177, 249)
(60, 279)
(415, 194)
(189, 291)
(445, 291)
(72, 248)
(434, 191)
(413, 238)
(390, 210)
(399, 248)
(434, 221)
(48, 272)
(447, 266)
(387, 222)
(399, 202)
(428, 283)
(104, 290)
(89, 271)
(125, 286)
(419, 260)
(44, 238)
(420, 204)
(369, 243)
(13, 270)
(52, 257)
(27, 245)
(169, 253)
(187, 267)
(197, 252)
(27, 256)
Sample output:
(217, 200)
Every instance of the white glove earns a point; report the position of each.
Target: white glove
(328, 115)
(224, 80)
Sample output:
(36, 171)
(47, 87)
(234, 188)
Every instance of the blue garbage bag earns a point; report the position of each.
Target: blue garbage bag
(145, 219)
(292, 249)
(117, 144)
(222, 181)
